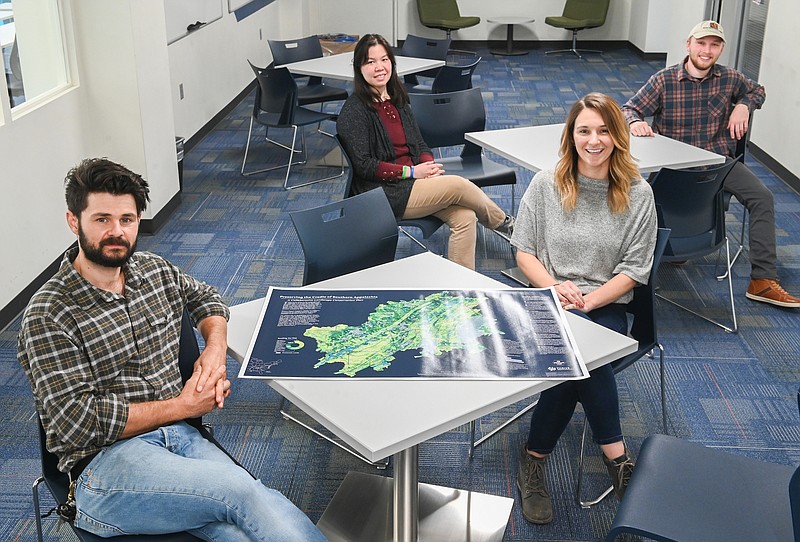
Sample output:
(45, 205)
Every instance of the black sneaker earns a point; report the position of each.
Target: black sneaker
(537, 507)
(506, 227)
(620, 470)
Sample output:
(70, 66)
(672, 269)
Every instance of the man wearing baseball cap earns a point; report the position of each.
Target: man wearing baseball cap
(707, 105)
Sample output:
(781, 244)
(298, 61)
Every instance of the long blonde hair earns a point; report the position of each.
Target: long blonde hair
(622, 168)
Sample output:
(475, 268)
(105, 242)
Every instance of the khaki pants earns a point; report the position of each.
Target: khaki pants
(458, 203)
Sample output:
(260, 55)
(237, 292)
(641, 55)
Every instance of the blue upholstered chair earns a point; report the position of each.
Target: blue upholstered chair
(682, 491)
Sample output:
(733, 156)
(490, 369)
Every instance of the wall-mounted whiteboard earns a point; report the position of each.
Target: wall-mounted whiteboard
(182, 13)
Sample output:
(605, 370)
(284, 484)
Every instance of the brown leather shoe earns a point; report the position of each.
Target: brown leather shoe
(769, 291)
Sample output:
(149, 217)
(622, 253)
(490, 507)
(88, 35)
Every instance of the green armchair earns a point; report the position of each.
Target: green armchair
(444, 15)
(580, 14)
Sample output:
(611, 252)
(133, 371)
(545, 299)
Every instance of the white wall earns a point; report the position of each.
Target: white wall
(124, 82)
(126, 107)
(365, 16)
(121, 110)
(211, 63)
(661, 26)
(353, 17)
(780, 74)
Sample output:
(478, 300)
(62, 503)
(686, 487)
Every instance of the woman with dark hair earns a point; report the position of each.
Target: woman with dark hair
(588, 229)
(384, 144)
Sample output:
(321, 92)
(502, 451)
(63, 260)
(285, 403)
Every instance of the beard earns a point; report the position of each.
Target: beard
(94, 253)
(698, 64)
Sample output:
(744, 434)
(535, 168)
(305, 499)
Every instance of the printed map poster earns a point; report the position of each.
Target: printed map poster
(402, 333)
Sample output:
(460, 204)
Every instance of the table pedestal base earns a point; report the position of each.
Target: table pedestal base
(361, 511)
(509, 50)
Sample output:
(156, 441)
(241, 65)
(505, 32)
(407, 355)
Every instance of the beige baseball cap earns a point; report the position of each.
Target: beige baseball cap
(707, 28)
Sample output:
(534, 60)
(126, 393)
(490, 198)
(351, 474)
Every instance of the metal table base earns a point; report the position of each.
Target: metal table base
(365, 506)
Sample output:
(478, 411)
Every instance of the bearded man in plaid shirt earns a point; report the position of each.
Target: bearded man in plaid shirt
(99, 343)
(707, 105)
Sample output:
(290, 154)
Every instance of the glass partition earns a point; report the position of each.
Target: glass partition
(32, 43)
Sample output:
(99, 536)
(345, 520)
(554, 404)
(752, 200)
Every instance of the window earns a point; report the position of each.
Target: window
(32, 42)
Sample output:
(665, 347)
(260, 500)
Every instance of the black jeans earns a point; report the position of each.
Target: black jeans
(597, 394)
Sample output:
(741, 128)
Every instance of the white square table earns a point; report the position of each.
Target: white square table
(392, 417)
(536, 148)
(341, 66)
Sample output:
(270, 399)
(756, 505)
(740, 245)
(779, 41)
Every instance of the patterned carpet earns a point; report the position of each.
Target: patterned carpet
(734, 391)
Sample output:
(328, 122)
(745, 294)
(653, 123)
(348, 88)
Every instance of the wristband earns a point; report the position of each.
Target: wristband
(412, 172)
(405, 173)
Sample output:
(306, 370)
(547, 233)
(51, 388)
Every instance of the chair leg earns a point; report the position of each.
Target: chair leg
(578, 491)
(574, 48)
(303, 151)
(37, 513)
(247, 145)
(662, 374)
(292, 150)
(475, 443)
(382, 464)
(247, 148)
(738, 250)
(734, 327)
(413, 239)
(319, 124)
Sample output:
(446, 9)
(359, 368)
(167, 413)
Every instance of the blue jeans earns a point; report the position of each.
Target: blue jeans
(172, 479)
(597, 394)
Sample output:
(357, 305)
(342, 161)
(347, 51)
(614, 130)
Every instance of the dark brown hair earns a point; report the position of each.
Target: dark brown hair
(397, 92)
(101, 175)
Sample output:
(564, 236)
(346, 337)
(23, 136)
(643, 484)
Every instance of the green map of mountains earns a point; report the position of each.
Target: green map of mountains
(434, 324)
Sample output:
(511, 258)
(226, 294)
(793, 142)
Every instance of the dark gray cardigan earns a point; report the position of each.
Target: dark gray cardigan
(367, 143)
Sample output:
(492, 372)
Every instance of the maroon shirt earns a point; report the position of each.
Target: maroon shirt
(389, 171)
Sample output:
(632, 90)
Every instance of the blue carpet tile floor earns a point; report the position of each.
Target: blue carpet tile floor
(732, 391)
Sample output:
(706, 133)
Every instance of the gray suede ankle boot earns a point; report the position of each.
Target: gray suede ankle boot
(537, 507)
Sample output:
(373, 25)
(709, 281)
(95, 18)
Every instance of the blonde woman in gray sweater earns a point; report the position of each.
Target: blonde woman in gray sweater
(588, 228)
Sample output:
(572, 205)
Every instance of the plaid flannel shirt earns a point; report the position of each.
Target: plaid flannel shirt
(695, 111)
(89, 353)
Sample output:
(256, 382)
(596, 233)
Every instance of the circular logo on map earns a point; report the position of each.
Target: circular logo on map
(293, 345)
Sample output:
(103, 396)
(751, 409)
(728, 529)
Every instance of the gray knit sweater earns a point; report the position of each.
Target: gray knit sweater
(588, 245)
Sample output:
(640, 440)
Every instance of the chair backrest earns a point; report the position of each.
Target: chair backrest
(690, 203)
(276, 95)
(741, 145)
(434, 12)
(346, 236)
(643, 304)
(189, 349)
(454, 78)
(288, 51)
(419, 47)
(593, 12)
(444, 118)
(348, 181)
(794, 502)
